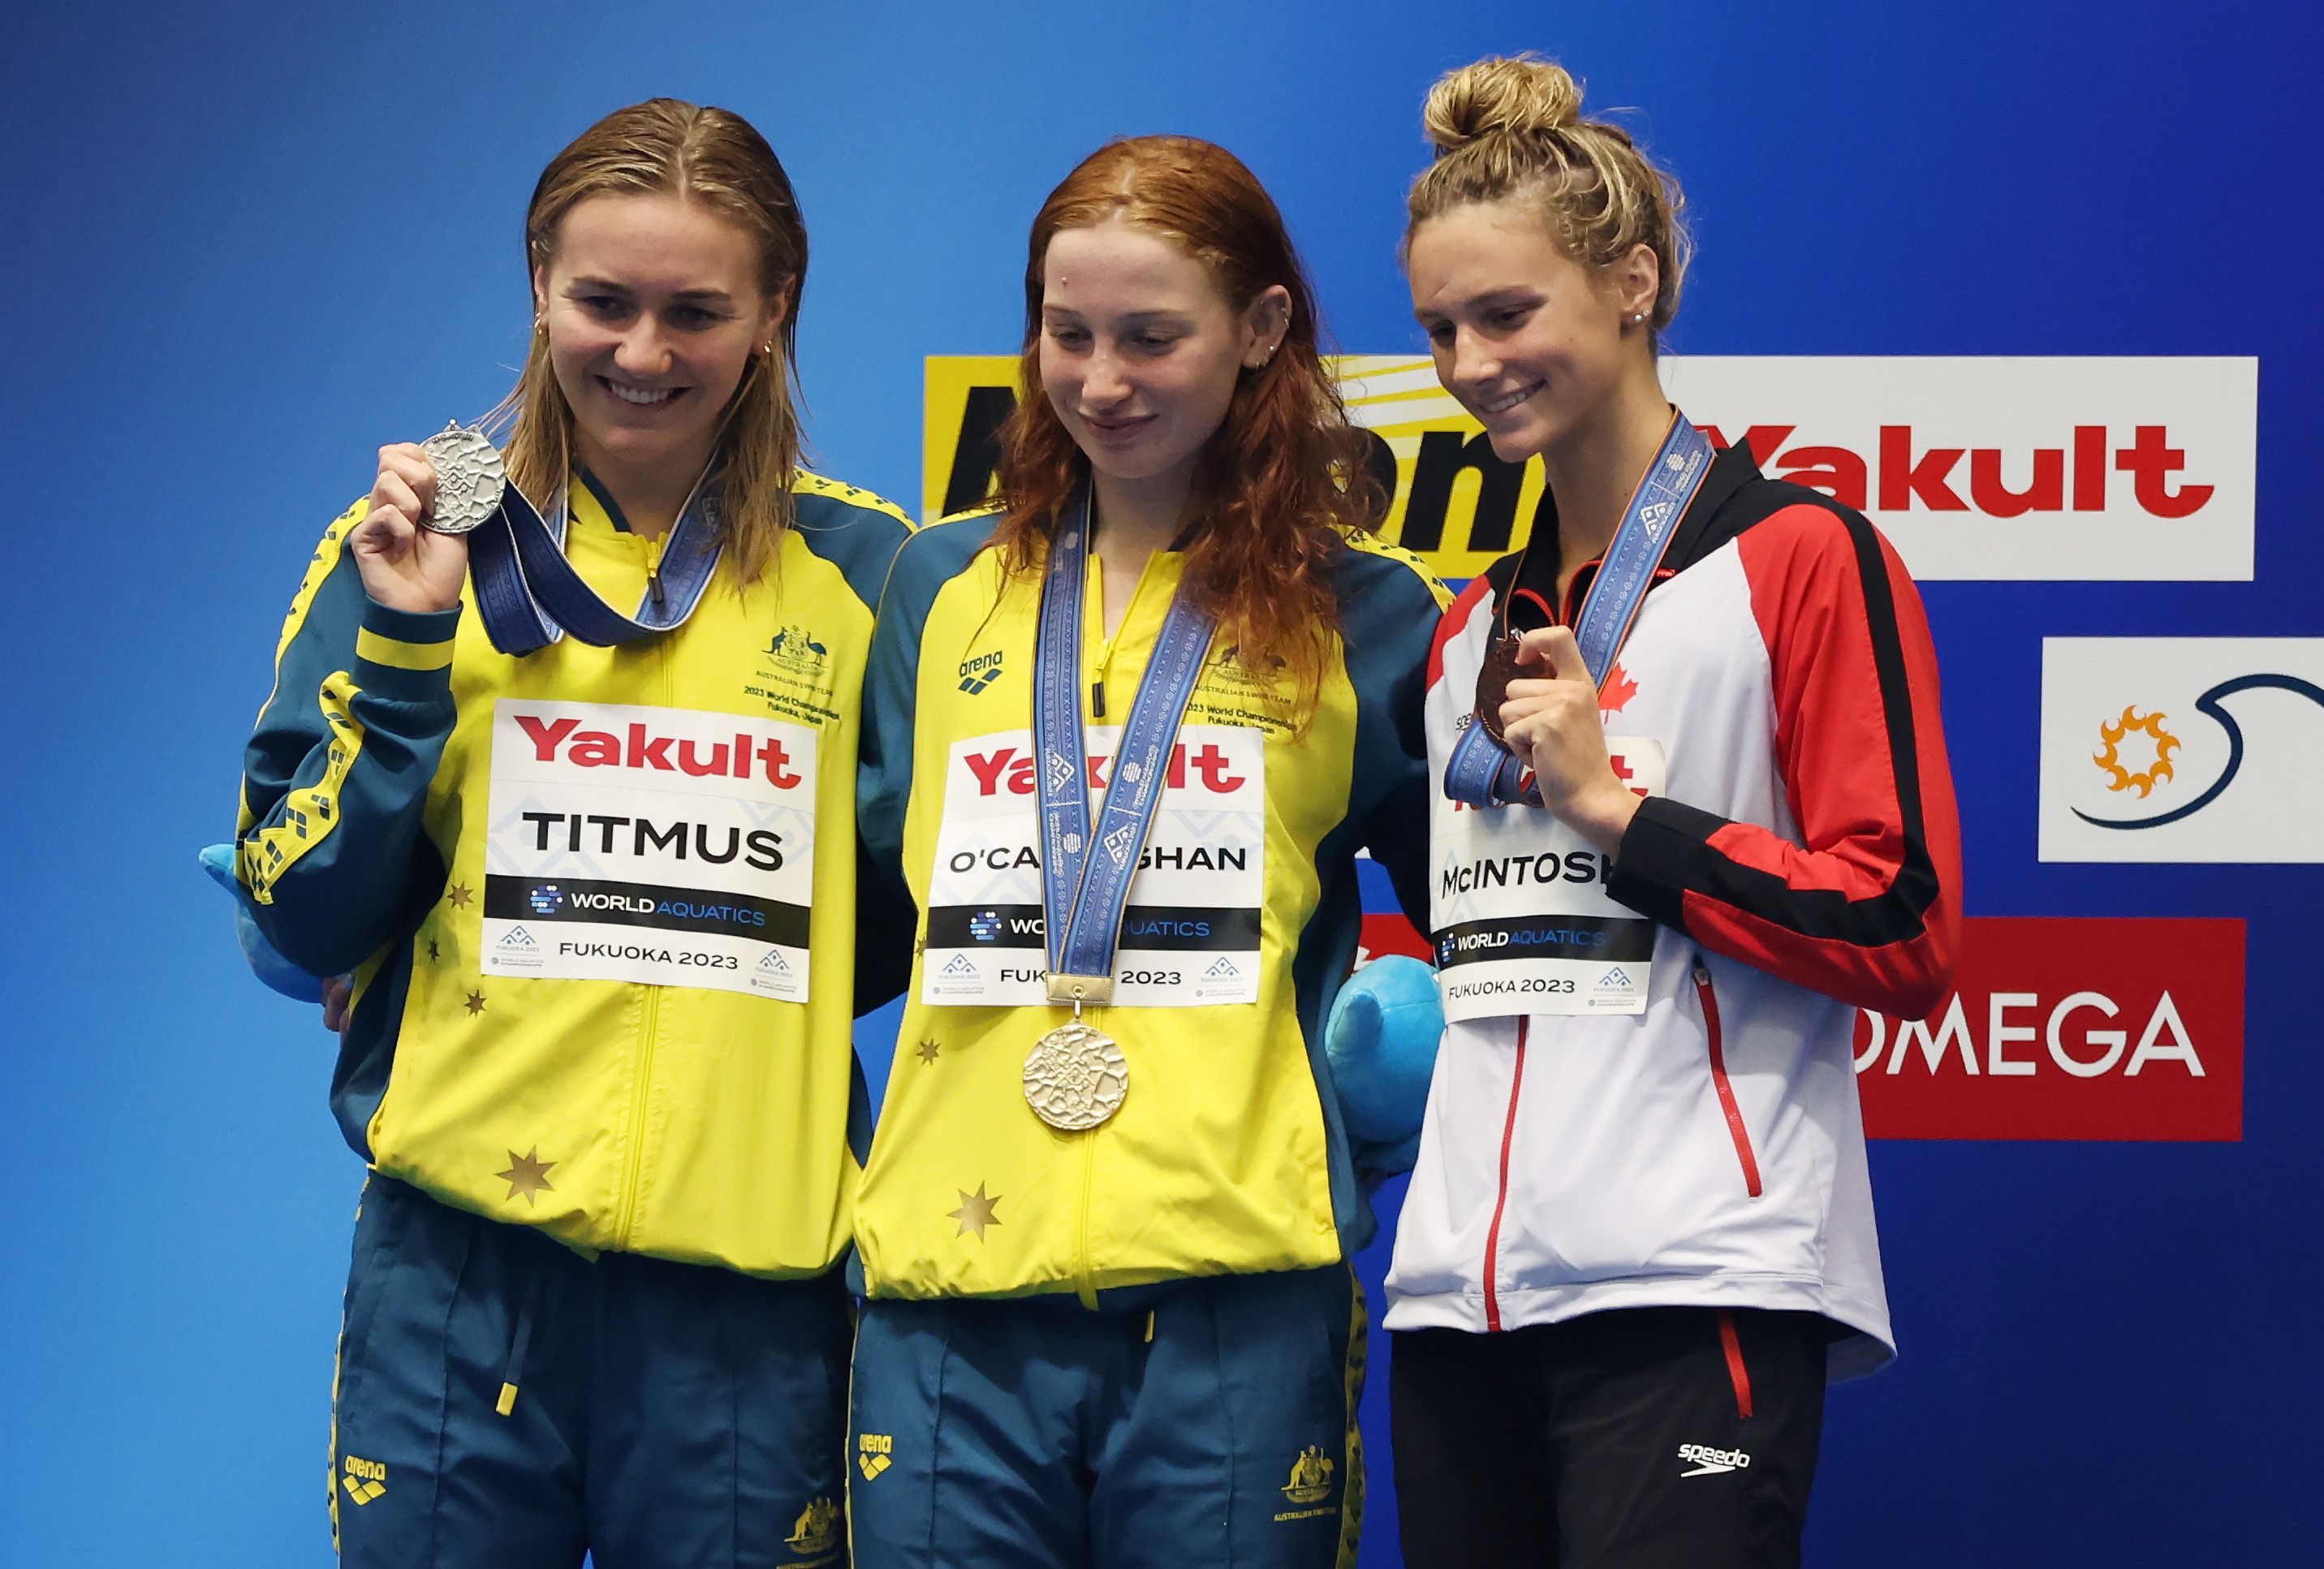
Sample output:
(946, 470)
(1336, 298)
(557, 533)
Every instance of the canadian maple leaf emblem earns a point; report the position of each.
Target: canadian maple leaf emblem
(1617, 691)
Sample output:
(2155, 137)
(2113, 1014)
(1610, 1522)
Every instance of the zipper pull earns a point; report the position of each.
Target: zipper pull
(1701, 972)
(1097, 699)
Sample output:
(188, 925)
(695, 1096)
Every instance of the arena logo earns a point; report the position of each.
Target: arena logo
(2182, 749)
(2057, 1027)
(1994, 467)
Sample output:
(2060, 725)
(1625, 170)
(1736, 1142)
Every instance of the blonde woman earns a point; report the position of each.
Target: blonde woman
(594, 877)
(1694, 811)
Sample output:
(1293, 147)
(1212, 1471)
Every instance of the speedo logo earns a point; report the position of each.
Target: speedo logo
(1710, 1462)
(980, 672)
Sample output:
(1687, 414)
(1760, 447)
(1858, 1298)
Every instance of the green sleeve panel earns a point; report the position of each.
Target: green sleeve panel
(929, 560)
(336, 775)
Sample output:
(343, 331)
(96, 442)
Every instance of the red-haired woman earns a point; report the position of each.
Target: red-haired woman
(1124, 737)
(596, 890)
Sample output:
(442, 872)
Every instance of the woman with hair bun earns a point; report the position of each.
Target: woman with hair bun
(1641, 1234)
(594, 877)
(1125, 735)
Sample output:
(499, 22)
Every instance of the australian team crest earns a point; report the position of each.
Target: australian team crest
(797, 649)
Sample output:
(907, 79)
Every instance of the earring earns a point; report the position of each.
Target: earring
(1640, 317)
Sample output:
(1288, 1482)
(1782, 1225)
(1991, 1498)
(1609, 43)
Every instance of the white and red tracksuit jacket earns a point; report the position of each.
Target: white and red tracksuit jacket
(1801, 859)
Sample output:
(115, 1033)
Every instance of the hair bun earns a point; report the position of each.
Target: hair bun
(1522, 95)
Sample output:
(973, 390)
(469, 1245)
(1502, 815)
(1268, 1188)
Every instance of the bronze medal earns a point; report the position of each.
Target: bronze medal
(1493, 678)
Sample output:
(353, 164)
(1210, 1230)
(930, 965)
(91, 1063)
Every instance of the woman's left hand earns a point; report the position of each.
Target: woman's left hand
(1550, 722)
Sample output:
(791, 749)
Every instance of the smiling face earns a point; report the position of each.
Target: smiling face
(653, 309)
(1140, 350)
(1532, 342)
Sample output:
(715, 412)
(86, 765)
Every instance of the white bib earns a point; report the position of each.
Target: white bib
(1523, 920)
(1191, 934)
(664, 845)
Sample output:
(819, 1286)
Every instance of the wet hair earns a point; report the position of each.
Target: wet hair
(1283, 477)
(1511, 130)
(667, 147)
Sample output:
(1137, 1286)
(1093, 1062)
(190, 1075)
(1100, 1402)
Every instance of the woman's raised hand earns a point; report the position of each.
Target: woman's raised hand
(404, 565)
(1550, 722)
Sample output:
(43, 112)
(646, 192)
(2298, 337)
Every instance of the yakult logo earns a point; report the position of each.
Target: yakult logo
(1009, 769)
(741, 755)
(2000, 468)
(1910, 473)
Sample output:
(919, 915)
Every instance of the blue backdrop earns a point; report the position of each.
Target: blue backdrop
(245, 245)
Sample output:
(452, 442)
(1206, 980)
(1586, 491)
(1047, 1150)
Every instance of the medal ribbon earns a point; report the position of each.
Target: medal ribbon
(1084, 878)
(1481, 771)
(529, 595)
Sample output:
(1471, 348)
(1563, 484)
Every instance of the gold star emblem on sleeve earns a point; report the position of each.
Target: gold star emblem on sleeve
(526, 1175)
(460, 895)
(475, 1003)
(433, 953)
(975, 1211)
(927, 1050)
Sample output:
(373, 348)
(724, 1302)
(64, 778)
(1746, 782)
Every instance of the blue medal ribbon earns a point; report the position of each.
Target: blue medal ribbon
(1085, 877)
(1481, 771)
(529, 595)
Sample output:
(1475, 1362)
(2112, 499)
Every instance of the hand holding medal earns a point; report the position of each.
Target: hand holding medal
(411, 547)
(1535, 696)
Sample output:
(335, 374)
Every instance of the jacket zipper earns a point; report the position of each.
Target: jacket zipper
(1501, 1199)
(1084, 1280)
(650, 1026)
(1741, 1134)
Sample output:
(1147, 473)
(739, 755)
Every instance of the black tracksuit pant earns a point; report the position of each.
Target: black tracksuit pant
(1638, 1438)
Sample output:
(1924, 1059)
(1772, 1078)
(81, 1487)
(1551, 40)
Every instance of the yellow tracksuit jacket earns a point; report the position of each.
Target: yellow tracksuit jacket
(599, 902)
(1227, 1156)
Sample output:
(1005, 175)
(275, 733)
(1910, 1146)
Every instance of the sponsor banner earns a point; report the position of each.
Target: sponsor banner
(2034, 467)
(2182, 749)
(661, 845)
(2070, 1029)
(1190, 933)
(2059, 1027)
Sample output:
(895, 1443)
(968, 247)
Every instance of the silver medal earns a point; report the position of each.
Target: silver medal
(469, 479)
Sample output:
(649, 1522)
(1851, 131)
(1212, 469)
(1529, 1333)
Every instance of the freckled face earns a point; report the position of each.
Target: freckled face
(653, 309)
(1139, 349)
(1527, 338)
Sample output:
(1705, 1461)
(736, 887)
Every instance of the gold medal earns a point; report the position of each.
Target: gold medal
(1077, 1077)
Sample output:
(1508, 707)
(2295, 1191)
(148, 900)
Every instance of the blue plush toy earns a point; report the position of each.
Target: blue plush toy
(1381, 1042)
(264, 962)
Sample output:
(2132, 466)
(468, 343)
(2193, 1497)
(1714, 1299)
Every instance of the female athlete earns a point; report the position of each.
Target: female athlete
(594, 875)
(1693, 812)
(1124, 737)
